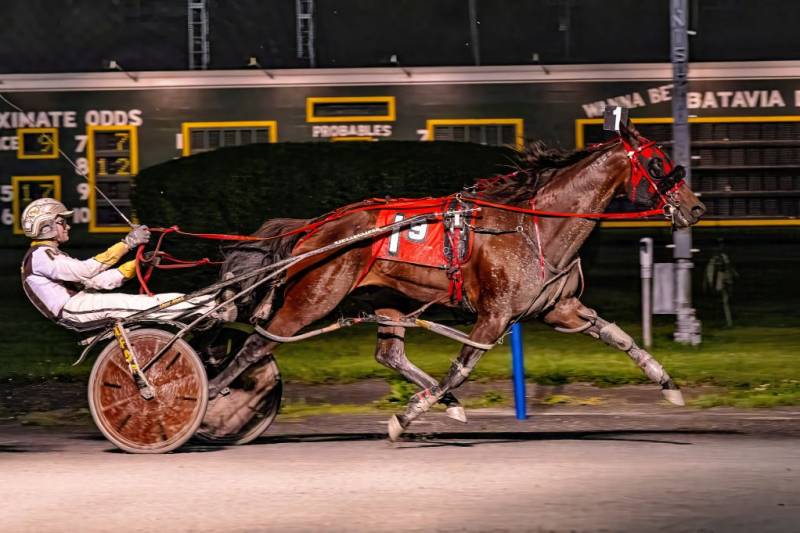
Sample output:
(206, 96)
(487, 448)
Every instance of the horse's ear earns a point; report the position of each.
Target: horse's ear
(631, 134)
(615, 119)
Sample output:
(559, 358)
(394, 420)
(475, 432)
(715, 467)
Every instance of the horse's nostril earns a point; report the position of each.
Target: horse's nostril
(698, 210)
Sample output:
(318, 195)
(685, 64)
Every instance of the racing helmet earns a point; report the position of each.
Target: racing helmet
(39, 218)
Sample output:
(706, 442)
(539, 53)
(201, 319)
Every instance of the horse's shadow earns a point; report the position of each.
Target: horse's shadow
(471, 439)
(25, 448)
(457, 439)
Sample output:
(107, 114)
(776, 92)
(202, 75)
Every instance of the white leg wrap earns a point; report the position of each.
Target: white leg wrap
(614, 336)
(651, 368)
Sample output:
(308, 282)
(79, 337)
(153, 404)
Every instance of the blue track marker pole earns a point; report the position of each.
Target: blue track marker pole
(518, 371)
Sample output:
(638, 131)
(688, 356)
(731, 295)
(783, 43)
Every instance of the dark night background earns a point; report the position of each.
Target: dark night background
(149, 35)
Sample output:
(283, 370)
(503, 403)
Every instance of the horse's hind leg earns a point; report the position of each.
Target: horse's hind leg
(487, 330)
(254, 350)
(390, 352)
(310, 299)
(571, 315)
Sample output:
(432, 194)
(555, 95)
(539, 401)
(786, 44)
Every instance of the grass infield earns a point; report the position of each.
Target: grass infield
(758, 365)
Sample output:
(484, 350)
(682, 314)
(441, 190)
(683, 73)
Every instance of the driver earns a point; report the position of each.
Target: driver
(67, 290)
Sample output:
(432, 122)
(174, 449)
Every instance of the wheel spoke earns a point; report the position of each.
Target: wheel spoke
(121, 401)
(172, 361)
(163, 429)
(124, 423)
(178, 383)
(125, 371)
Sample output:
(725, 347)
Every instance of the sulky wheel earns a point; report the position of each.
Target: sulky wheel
(163, 423)
(248, 410)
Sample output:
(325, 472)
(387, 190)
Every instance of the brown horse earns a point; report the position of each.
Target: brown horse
(521, 265)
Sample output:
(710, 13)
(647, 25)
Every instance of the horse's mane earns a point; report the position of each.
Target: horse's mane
(537, 164)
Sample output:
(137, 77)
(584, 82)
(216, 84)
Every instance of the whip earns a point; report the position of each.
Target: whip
(77, 169)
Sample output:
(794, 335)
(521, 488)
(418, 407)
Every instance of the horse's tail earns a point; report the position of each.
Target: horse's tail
(247, 256)
(280, 247)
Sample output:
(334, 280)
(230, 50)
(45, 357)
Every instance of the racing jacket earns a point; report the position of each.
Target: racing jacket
(50, 277)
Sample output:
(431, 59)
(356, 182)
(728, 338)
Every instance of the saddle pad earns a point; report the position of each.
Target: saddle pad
(425, 244)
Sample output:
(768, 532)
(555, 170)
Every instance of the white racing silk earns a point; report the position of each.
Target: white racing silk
(50, 268)
(65, 288)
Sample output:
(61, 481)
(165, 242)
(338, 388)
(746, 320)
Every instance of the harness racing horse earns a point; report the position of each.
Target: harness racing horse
(524, 262)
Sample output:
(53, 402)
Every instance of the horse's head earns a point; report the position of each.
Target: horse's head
(656, 182)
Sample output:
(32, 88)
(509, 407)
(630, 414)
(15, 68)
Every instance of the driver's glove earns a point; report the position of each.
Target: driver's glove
(138, 235)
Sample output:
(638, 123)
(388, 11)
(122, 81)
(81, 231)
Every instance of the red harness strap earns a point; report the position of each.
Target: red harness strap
(156, 256)
(456, 291)
(559, 214)
(372, 204)
(225, 236)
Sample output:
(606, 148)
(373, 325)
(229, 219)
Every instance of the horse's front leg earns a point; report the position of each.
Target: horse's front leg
(571, 315)
(487, 330)
(390, 351)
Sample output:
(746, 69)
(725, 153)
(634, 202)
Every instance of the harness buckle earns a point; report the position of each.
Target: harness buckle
(669, 212)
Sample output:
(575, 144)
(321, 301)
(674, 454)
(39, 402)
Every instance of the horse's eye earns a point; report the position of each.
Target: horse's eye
(656, 167)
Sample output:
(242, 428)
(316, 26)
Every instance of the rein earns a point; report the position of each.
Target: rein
(154, 258)
(638, 172)
(560, 214)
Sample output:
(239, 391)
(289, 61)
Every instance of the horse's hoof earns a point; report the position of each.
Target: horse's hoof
(456, 412)
(395, 428)
(673, 396)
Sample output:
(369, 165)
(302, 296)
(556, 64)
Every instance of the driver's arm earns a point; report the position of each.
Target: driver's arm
(112, 278)
(91, 273)
(62, 267)
(59, 266)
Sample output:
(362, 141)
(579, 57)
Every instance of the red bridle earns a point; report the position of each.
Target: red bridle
(648, 151)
